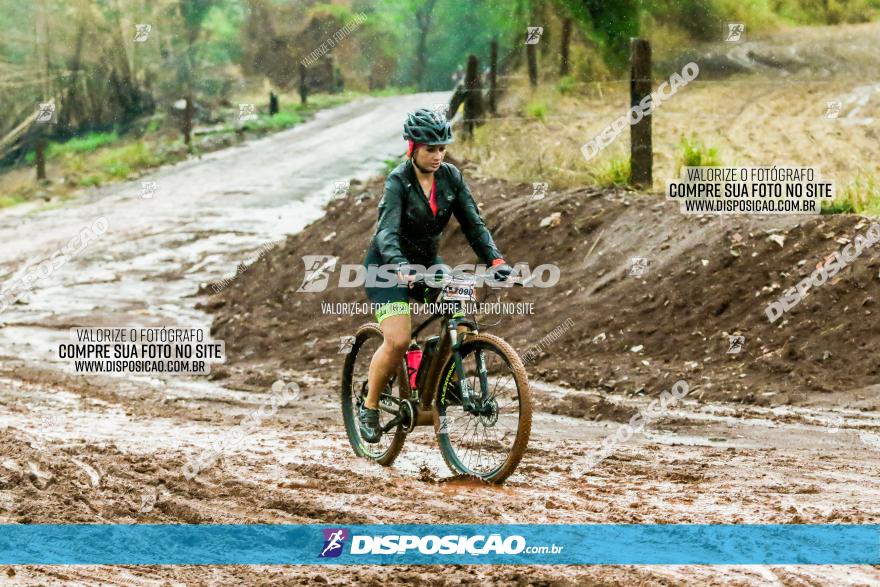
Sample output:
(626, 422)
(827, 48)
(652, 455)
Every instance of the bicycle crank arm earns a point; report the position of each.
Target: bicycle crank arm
(392, 424)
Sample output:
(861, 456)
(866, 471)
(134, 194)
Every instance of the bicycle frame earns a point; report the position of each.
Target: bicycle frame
(454, 330)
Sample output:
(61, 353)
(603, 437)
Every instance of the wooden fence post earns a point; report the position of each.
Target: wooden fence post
(641, 153)
(188, 123)
(493, 74)
(41, 157)
(328, 73)
(566, 43)
(532, 57)
(473, 99)
(456, 101)
(303, 88)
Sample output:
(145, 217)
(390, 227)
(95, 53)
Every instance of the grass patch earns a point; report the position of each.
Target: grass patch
(614, 173)
(282, 120)
(565, 85)
(696, 154)
(7, 201)
(90, 181)
(394, 91)
(293, 112)
(122, 161)
(536, 110)
(860, 196)
(87, 144)
(838, 208)
(77, 145)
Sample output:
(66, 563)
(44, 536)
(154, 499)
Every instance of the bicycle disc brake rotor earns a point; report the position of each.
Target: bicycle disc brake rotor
(489, 413)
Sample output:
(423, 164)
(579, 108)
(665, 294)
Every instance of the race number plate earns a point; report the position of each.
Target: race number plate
(463, 292)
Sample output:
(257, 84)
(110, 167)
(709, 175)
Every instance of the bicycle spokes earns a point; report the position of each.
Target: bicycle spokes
(481, 432)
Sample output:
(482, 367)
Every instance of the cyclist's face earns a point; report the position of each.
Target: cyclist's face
(430, 156)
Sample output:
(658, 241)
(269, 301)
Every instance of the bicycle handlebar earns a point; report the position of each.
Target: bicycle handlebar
(439, 279)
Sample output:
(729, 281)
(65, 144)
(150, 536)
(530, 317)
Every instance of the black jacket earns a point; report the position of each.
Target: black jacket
(408, 231)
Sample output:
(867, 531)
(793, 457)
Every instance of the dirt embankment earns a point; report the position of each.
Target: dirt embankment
(708, 278)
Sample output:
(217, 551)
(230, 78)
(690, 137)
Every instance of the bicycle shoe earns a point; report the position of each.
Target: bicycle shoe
(369, 425)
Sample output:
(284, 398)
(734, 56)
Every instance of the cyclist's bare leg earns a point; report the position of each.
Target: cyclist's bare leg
(397, 332)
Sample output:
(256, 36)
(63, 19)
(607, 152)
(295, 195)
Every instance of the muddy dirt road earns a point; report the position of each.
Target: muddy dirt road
(103, 449)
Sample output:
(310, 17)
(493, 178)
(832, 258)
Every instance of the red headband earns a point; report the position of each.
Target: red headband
(412, 147)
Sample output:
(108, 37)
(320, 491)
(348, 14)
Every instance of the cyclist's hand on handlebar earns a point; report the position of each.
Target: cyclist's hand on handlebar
(503, 272)
(406, 273)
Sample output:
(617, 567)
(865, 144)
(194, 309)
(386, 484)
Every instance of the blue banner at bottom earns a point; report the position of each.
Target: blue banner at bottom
(518, 544)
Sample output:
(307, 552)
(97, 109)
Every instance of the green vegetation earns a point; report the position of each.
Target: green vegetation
(89, 181)
(614, 173)
(609, 25)
(86, 144)
(122, 161)
(565, 85)
(280, 121)
(838, 208)
(7, 201)
(98, 158)
(225, 52)
(830, 12)
(390, 165)
(695, 154)
(860, 196)
(536, 109)
(394, 91)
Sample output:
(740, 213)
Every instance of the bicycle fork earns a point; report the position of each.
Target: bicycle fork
(471, 401)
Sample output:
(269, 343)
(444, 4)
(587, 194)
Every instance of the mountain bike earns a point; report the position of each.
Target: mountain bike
(471, 386)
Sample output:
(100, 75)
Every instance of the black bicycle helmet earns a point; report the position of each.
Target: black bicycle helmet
(428, 127)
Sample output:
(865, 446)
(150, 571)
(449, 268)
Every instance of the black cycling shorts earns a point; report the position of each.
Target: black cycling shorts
(394, 300)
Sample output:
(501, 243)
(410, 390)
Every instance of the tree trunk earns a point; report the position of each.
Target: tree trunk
(423, 22)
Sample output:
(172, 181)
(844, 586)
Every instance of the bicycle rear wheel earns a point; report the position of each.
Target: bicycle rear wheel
(354, 391)
(488, 441)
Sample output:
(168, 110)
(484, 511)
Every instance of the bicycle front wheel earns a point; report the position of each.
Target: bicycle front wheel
(486, 439)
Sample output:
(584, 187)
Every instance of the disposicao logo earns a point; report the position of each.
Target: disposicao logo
(318, 269)
(334, 540)
(473, 545)
(491, 544)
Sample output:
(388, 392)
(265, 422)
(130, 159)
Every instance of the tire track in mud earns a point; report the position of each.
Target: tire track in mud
(291, 469)
(293, 472)
(504, 575)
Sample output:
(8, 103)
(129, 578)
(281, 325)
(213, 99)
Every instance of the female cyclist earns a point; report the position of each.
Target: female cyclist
(420, 196)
